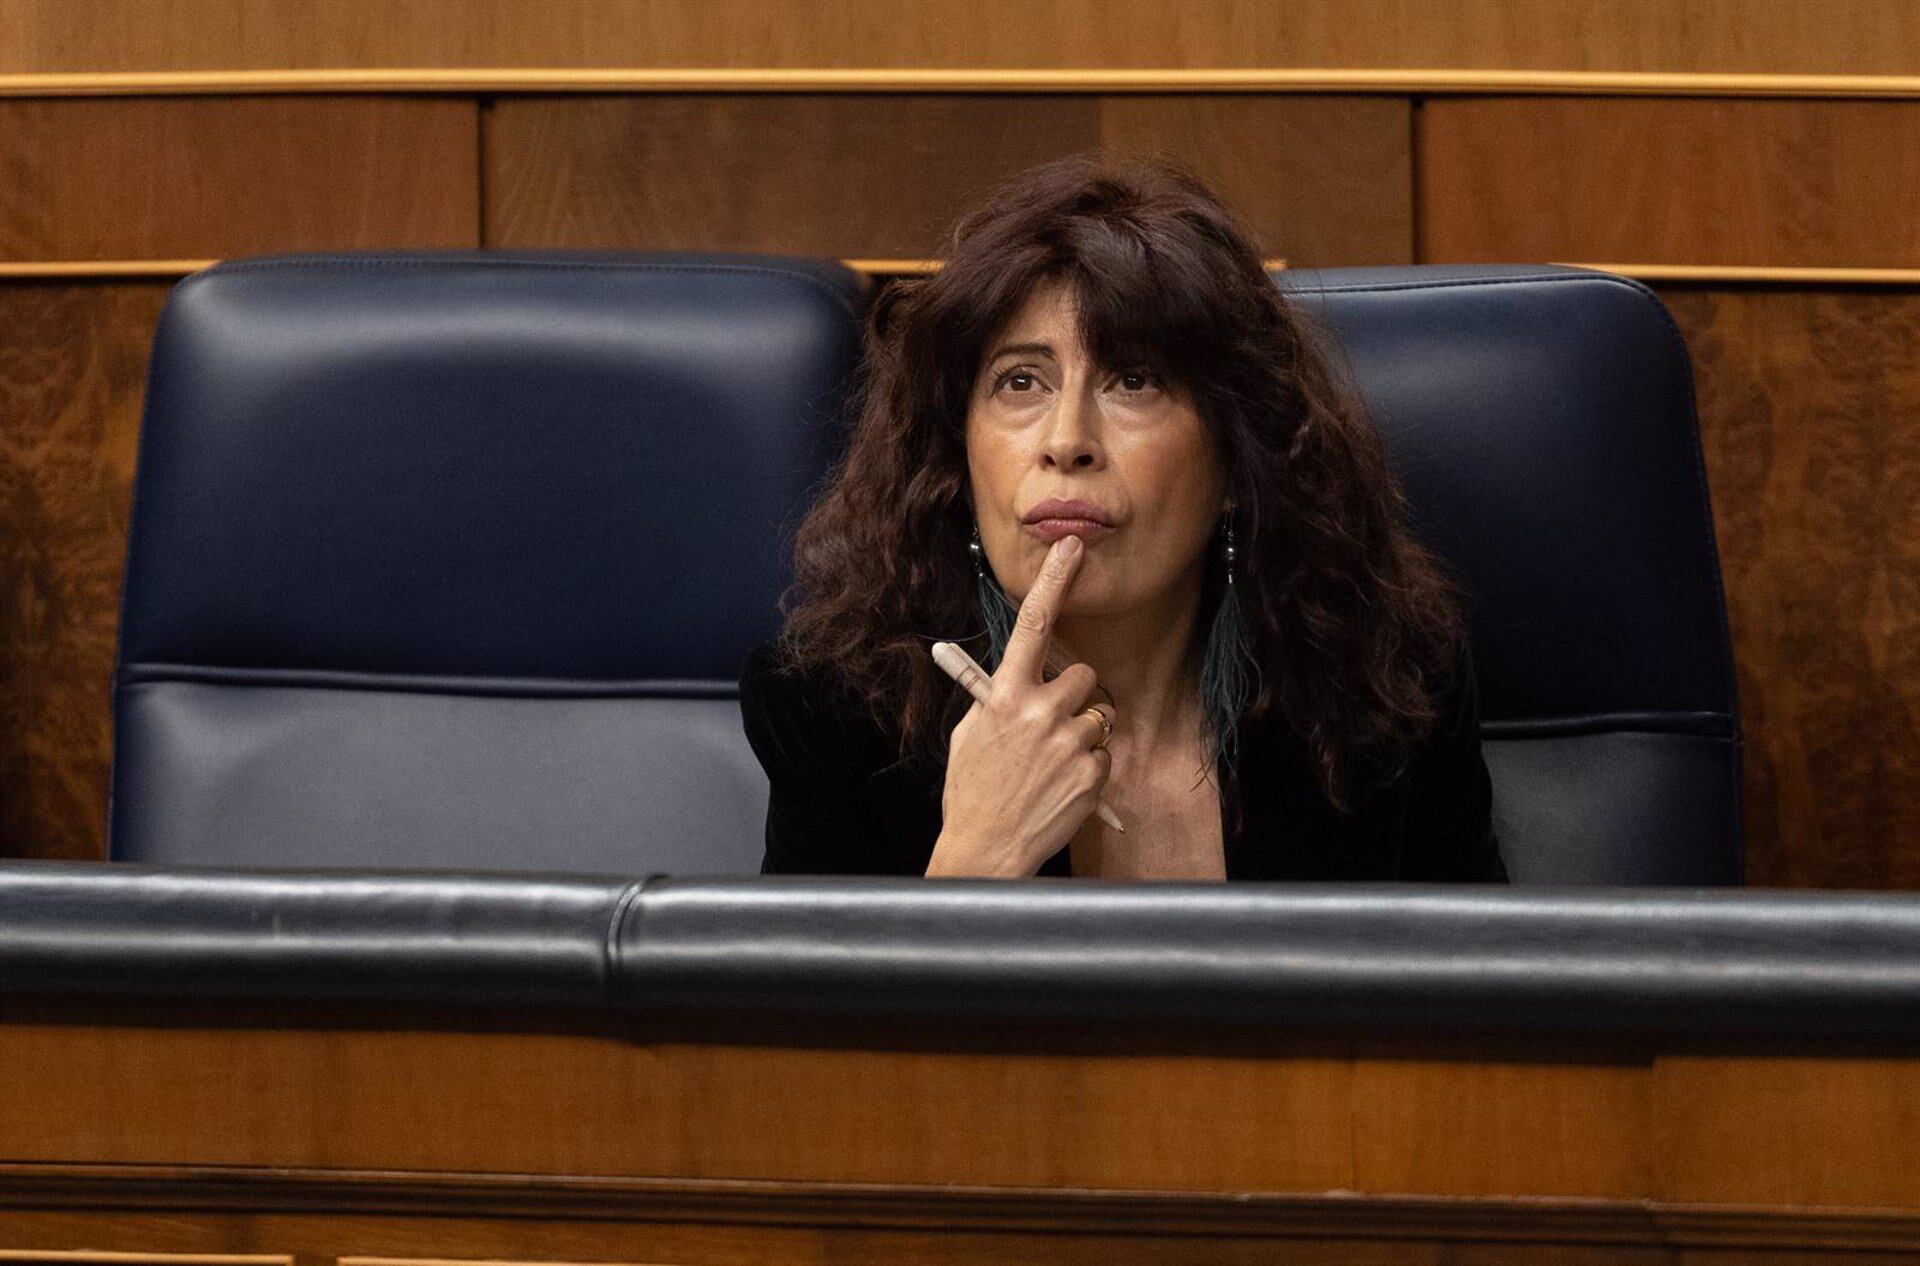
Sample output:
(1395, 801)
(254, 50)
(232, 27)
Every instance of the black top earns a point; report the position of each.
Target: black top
(842, 802)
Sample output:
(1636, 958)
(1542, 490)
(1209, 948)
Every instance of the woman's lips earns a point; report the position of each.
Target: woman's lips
(1051, 530)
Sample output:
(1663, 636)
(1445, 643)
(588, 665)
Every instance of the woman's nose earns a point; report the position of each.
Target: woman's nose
(1070, 442)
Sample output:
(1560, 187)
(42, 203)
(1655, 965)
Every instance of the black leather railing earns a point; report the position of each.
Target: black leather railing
(1287, 958)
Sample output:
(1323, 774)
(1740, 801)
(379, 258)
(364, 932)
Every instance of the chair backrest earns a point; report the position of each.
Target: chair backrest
(450, 558)
(1542, 421)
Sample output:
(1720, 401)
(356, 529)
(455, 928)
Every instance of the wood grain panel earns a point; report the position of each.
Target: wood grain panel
(1321, 181)
(1685, 1129)
(567, 1104)
(1810, 420)
(1458, 1129)
(545, 1147)
(808, 174)
(1724, 1139)
(136, 177)
(1834, 36)
(1685, 181)
(72, 376)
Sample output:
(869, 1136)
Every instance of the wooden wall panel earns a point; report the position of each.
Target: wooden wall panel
(1810, 418)
(200, 177)
(72, 376)
(833, 175)
(1684, 181)
(1831, 36)
(1324, 181)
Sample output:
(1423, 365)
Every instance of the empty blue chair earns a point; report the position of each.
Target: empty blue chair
(449, 558)
(1542, 420)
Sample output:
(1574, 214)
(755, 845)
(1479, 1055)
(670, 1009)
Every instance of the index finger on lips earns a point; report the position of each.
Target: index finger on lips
(1027, 646)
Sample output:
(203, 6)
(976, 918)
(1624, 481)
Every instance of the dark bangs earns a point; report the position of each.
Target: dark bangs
(1153, 292)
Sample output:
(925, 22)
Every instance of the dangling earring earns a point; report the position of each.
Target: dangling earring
(995, 609)
(1228, 672)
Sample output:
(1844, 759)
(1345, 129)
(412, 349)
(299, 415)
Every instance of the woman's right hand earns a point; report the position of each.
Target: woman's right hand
(1023, 773)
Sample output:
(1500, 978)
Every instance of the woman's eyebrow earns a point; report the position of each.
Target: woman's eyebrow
(1043, 349)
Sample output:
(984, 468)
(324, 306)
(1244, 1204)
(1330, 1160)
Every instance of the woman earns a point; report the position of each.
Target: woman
(1099, 439)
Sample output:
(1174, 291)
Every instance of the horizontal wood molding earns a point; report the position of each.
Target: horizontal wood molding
(103, 269)
(1739, 274)
(1847, 37)
(120, 269)
(123, 269)
(921, 267)
(185, 1189)
(510, 79)
(81, 1257)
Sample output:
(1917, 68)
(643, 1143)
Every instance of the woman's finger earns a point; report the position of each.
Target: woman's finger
(1027, 646)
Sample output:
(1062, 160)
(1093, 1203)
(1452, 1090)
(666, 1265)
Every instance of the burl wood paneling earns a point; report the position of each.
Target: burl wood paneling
(1322, 181)
(1835, 36)
(1681, 181)
(206, 177)
(72, 376)
(1810, 419)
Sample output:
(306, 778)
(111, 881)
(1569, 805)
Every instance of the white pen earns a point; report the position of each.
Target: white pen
(959, 665)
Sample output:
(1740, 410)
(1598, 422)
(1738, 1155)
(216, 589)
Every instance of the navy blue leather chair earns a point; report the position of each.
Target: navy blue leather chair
(450, 558)
(1542, 420)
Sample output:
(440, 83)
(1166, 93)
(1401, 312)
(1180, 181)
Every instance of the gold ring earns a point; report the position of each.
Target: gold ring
(1106, 726)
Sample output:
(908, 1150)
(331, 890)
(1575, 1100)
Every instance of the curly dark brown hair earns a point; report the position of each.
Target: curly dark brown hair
(1355, 625)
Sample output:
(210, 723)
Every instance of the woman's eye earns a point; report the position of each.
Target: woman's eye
(1136, 382)
(1015, 375)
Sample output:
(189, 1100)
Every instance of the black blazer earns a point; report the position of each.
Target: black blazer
(841, 802)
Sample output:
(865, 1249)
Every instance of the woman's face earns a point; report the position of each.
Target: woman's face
(1045, 424)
